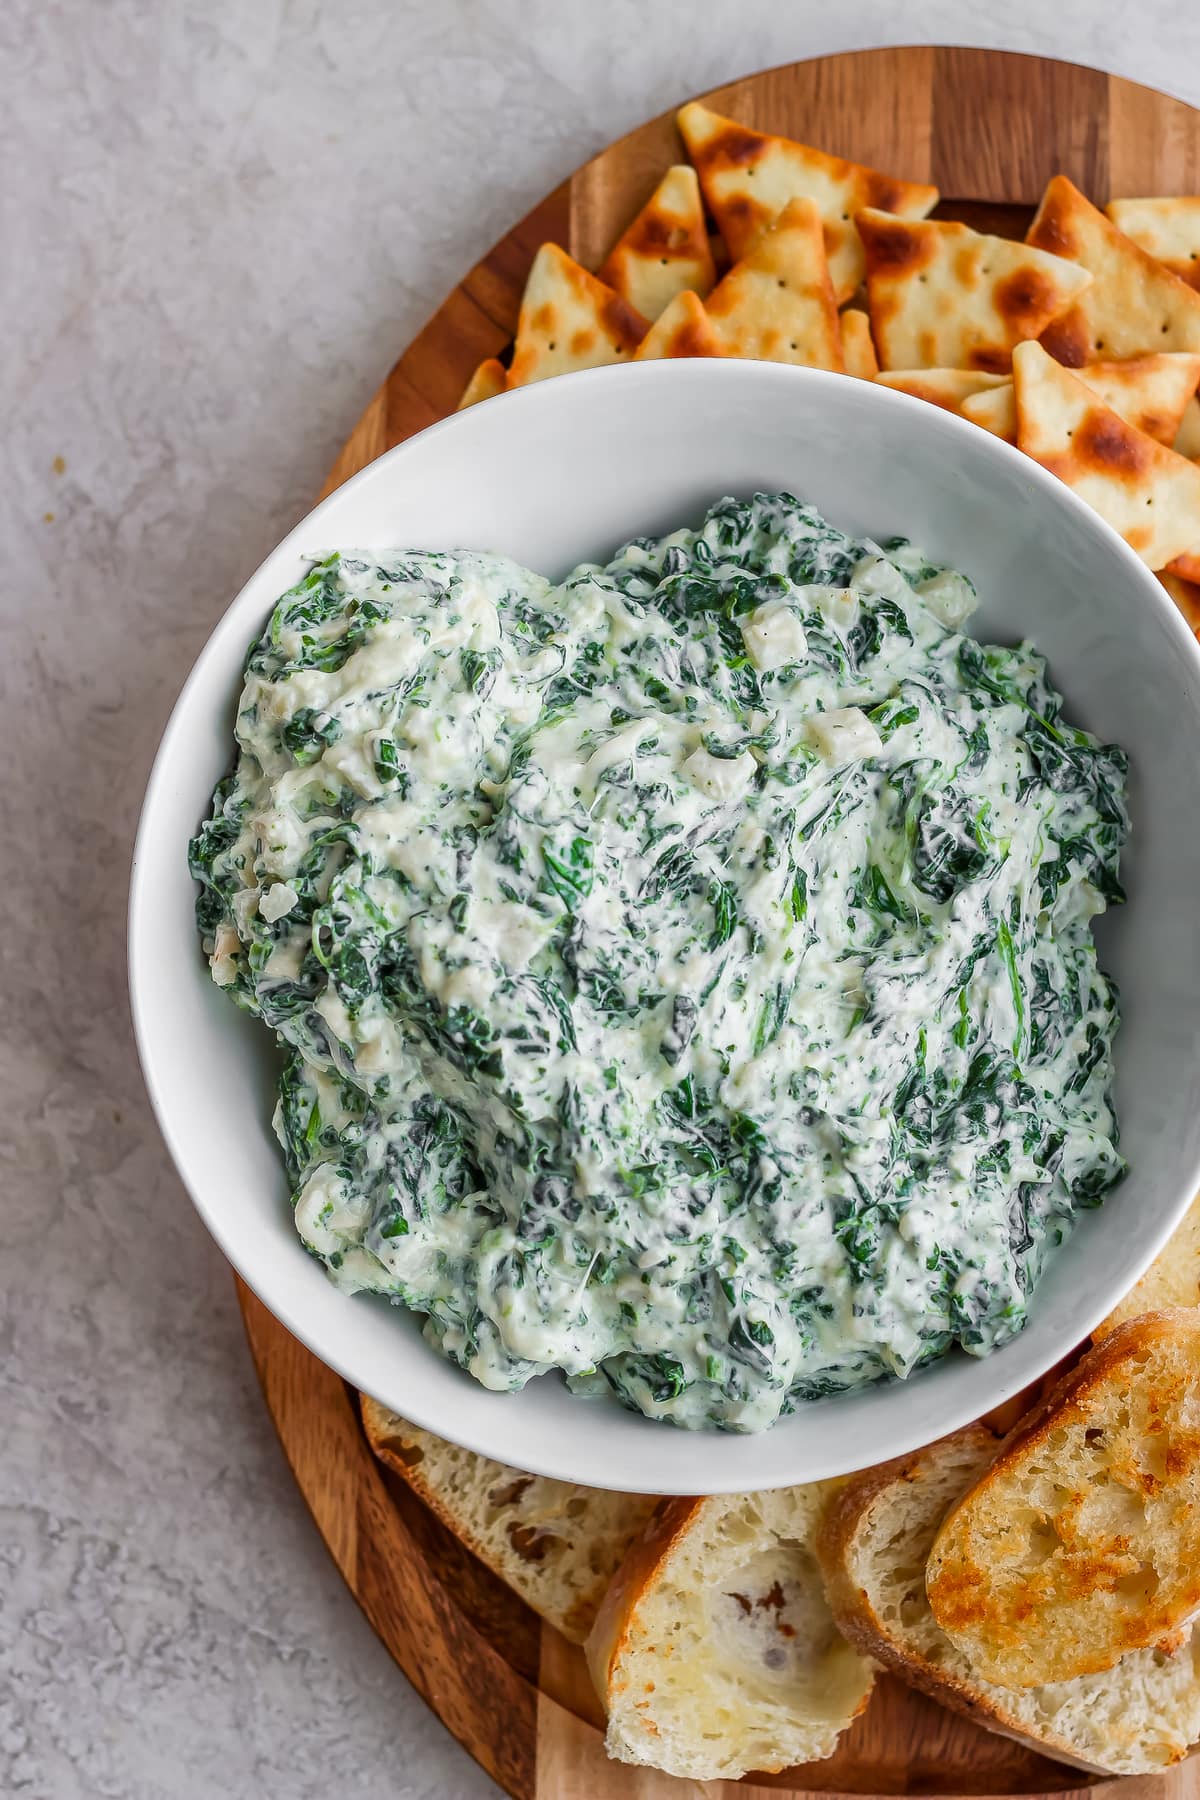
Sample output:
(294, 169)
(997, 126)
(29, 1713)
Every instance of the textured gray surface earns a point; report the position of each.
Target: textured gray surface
(220, 224)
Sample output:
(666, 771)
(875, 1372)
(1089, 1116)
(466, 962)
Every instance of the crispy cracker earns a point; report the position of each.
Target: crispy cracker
(1186, 595)
(943, 296)
(665, 250)
(1145, 491)
(777, 304)
(1150, 392)
(1187, 439)
(570, 320)
(1168, 229)
(684, 329)
(489, 379)
(1133, 306)
(947, 388)
(748, 178)
(858, 349)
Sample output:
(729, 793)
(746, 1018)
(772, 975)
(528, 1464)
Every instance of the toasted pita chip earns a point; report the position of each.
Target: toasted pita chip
(858, 350)
(1187, 441)
(1133, 306)
(684, 329)
(665, 250)
(749, 177)
(570, 320)
(777, 304)
(1145, 491)
(1168, 229)
(489, 379)
(947, 388)
(1186, 595)
(995, 409)
(943, 296)
(1150, 392)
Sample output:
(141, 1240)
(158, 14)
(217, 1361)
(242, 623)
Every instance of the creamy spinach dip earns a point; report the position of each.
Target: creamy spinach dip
(685, 971)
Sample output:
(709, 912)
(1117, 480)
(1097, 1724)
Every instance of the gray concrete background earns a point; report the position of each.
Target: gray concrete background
(219, 223)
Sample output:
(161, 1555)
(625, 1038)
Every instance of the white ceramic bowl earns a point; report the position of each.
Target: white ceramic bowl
(566, 470)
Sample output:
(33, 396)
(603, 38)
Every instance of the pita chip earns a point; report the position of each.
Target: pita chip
(1186, 595)
(943, 296)
(1169, 230)
(777, 304)
(858, 350)
(1145, 491)
(1187, 442)
(665, 250)
(748, 178)
(1133, 306)
(947, 388)
(1150, 392)
(570, 320)
(683, 329)
(489, 379)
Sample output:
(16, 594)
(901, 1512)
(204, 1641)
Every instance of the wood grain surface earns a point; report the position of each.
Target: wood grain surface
(989, 129)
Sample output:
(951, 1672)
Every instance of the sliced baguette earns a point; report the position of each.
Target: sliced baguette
(554, 1544)
(715, 1651)
(1133, 1720)
(1082, 1541)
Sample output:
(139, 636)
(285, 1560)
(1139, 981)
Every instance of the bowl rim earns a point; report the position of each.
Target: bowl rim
(568, 389)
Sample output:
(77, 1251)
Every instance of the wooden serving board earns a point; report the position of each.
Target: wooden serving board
(989, 129)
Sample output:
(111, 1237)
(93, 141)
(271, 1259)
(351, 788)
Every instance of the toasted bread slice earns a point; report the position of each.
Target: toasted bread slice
(1134, 305)
(665, 251)
(554, 1544)
(1136, 1719)
(1173, 1278)
(715, 1651)
(749, 177)
(1082, 1542)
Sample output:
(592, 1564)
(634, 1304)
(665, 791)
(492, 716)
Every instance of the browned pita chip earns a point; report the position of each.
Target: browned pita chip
(684, 329)
(777, 304)
(858, 351)
(943, 296)
(947, 388)
(1145, 491)
(489, 379)
(1187, 441)
(665, 250)
(1134, 304)
(748, 178)
(1150, 392)
(1186, 567)
(1168, 229)
(1186, 595)
(570, 320)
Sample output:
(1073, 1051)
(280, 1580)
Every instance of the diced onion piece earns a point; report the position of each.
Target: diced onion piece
(225, 948)
(845, 735)
(839, 605)
(774, 636)
(949, 597)
(720, 777)
(277, 901)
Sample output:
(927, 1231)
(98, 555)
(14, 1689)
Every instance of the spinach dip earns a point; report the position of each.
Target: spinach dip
(684, 972)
